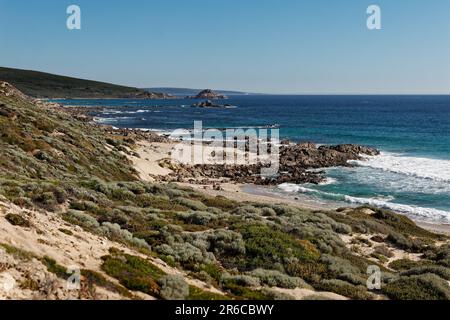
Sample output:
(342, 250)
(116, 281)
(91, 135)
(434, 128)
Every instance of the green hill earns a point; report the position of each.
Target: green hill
(45, 85)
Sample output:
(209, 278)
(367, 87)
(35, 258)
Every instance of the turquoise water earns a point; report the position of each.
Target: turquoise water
(413, 132)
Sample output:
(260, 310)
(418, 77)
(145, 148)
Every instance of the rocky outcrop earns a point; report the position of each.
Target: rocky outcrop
(210, 104)
(296, 165)
(208, 94)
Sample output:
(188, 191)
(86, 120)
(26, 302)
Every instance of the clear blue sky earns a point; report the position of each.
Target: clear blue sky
(314, 46)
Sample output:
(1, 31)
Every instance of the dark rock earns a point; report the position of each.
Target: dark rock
(208, 94)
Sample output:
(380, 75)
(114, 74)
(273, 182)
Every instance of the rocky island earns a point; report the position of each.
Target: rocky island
(209, 95)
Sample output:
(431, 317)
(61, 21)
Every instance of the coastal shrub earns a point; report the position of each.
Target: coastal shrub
(17, 220)
(220, 202)
(192, 204)
(402, 224)
(133, 272)
(114, 231)
(440, 271)
(226, 243)
(440, 255)
(274, 278)
(268, 212)
(196, 293)
(247, 211)
(277, 295)
(197, 217)
(159, 202)
(173, 287)
(266, 246)
(353, 278)
(383, 250)
(400, 241)
(345, 289)
(186, 254)
(122, 194)
(338, 266)
(405, 264)
(82, 219)
(421, 287)
(240, 280)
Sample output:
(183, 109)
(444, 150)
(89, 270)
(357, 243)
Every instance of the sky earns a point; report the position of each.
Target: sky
(270, 46)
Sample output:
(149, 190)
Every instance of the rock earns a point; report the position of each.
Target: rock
(208, 94)
(296, 162)
(210, 104)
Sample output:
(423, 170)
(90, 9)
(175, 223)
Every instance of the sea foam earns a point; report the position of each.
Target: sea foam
(428, 214)
(424, 168)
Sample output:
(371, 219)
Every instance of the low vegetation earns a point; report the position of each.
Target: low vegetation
(52, 162)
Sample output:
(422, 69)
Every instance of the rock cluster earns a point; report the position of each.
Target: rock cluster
(208, 94)
(210, 104)
(297, 164)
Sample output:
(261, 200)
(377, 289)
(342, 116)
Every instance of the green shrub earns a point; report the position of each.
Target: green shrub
(405, 264)
(421, 287)
(17, 220)
(192, 204)
(266, 246)
(240, 280)
(440, 271)
(345, 289)
(173, 287)
(133, 272)
(82, 219)
(274, 278)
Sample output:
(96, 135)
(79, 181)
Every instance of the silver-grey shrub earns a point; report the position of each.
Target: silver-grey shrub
(173, 287)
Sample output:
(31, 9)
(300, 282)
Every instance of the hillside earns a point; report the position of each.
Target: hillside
(70, 196)
(183, 92)
(44, 85)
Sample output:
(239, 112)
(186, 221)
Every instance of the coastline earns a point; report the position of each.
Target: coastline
(150, 154)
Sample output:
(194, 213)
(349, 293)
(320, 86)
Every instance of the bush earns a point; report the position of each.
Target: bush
(186, 253)
(383, 250)
(192, 204)
(405, 264)
(339, 266)
(173, 287)
(133, 272)
(422, 287)
(17, 220)
(266, 246)
(197, 217)
(345, 289)
(114, 231)
(274, 278)
(440, 271)
(240, 280)
(82, 219)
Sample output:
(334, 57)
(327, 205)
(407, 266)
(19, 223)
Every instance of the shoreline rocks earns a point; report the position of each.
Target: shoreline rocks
(298, 164)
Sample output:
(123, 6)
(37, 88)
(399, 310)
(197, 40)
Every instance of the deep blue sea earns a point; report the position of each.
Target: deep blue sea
(411, 176)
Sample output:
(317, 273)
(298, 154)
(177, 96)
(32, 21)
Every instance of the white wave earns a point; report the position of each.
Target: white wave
(291, 188)
(107, 120)
(328, 181)
(426, 213)
(424, 168)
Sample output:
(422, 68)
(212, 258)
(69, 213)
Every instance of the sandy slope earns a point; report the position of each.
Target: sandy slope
(81, 250)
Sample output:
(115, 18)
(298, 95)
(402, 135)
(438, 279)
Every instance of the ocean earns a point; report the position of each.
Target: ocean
(411, 176)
